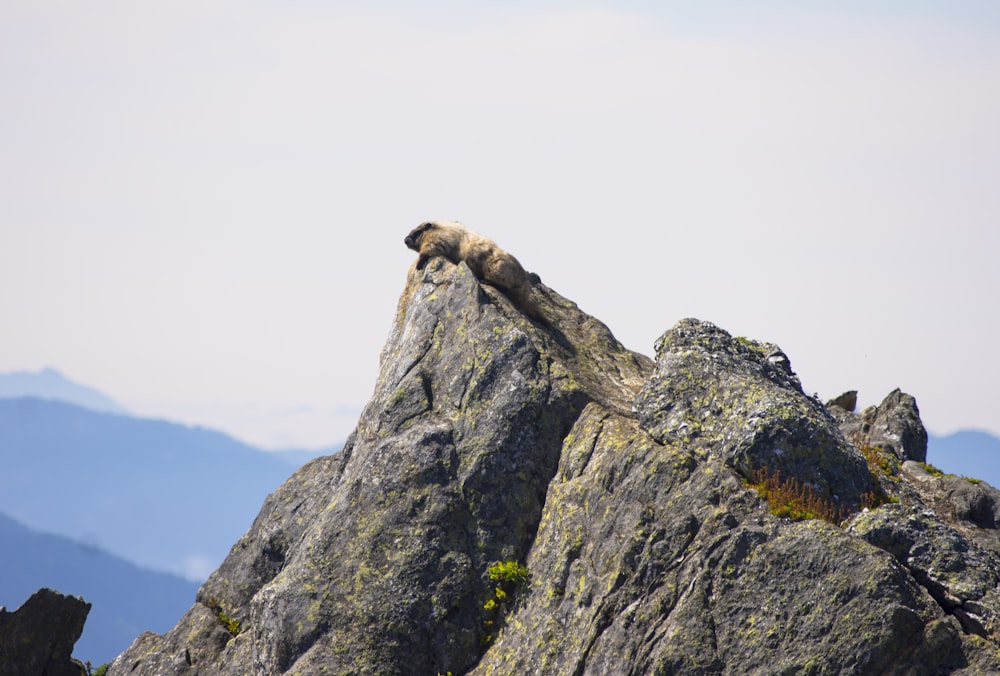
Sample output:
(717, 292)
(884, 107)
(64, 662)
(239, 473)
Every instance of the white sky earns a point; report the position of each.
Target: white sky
(202, 203)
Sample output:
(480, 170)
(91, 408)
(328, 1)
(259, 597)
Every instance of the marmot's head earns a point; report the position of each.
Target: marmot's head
(416, 235)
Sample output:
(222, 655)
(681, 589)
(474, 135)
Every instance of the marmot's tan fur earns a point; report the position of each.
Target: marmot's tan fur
(488, 262)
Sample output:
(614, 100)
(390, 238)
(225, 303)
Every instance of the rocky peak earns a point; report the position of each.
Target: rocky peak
(737, 401)
(519, 498)
(893, 425)
(38, 637)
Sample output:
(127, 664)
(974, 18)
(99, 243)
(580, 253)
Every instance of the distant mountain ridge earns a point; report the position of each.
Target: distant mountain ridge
(165, 496)
(86, 476)
(126, 599)
(51, 384)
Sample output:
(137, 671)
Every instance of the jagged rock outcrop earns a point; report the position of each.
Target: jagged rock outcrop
(621, 483)
(968, 503)
(894, 425)
(37, 639)
(738, 401)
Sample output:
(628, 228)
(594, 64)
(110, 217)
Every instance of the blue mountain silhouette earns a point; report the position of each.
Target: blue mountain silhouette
(51, 384)
(165, 496)
(126, 600)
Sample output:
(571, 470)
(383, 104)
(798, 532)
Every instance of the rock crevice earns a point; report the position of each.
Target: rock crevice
(621, 483)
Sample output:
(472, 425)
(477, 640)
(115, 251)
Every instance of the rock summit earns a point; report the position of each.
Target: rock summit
(522, 499)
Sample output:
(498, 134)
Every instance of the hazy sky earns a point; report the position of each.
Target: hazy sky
(202, 203)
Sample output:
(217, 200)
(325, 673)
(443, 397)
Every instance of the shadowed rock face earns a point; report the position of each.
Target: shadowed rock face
(618, 481)
(38, 637)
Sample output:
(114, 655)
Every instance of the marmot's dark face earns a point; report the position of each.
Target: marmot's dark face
(413, 239)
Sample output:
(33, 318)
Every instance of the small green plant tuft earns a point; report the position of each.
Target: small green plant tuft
(882, 465)
(931, 469)
(792, 499)
(508, 576)
(880, 462)
(99, 671)
(750, 344)
(231, 624)
(508, 572)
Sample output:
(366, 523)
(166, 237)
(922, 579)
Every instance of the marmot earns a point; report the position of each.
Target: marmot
(488, 262)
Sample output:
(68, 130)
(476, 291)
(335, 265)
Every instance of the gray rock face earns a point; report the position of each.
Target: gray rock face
(738, 401)
(893, 425)
(958, 574)
(620, 483)
(37, 639)
(971, 505)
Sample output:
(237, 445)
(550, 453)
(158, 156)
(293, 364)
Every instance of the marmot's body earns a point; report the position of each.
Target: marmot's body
(488, 262)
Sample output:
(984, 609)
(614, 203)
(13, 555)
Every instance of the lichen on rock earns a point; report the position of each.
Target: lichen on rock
(893, 425)
(620, 483)
(739, 401)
